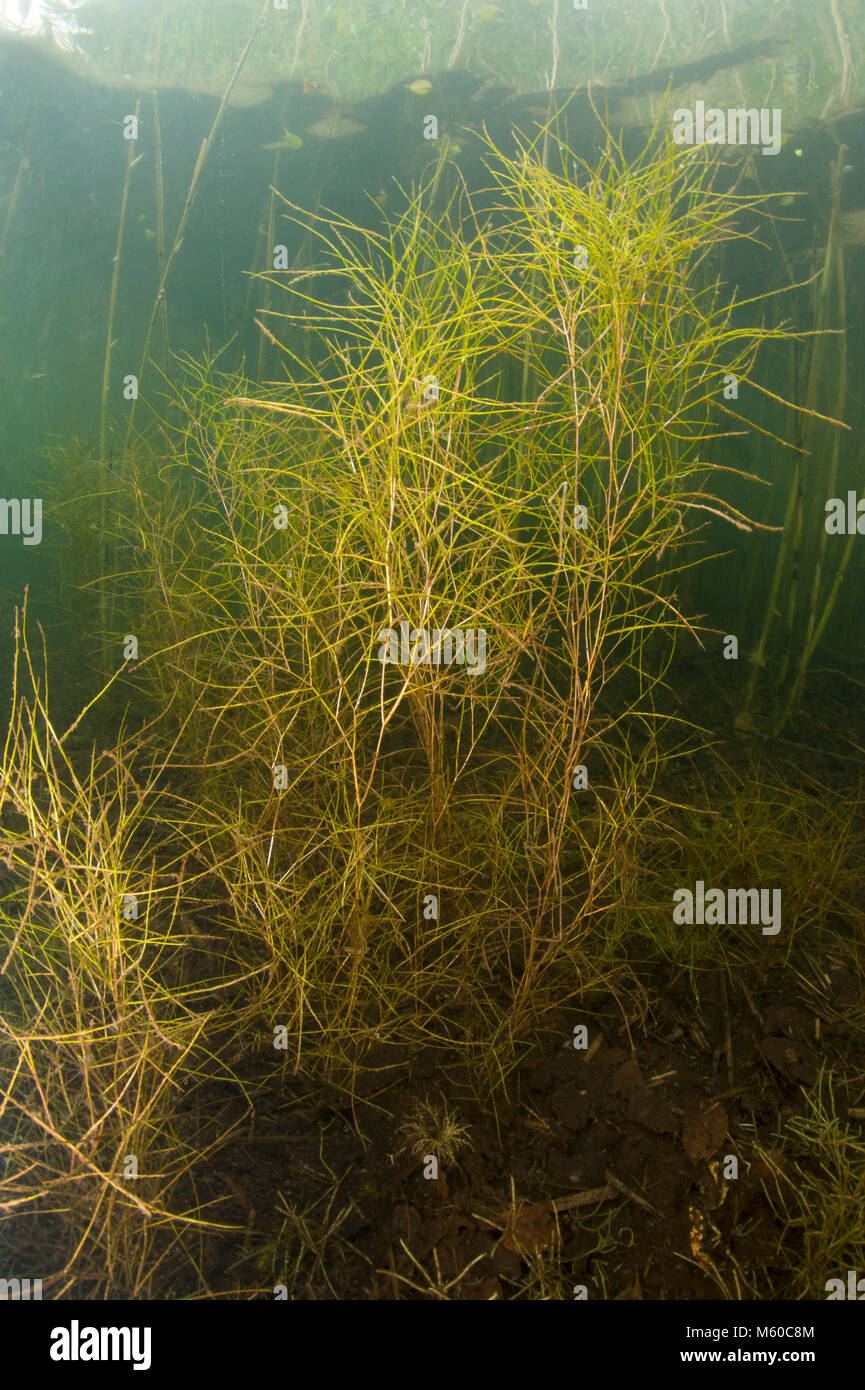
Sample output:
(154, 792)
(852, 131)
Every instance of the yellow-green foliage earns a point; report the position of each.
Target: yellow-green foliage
(552, 515)
(337, 859)
(98, 1034)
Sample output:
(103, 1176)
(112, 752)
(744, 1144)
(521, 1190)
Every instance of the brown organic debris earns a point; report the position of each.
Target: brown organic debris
(703, 1135)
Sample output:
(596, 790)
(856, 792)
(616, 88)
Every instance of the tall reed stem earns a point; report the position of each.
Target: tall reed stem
(206, 146)
(23, 166)
(815, 627)
(160, 222)
(131, 160)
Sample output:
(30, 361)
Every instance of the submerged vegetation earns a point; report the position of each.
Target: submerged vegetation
(402, 633)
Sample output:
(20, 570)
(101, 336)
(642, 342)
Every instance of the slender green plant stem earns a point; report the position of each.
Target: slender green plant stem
(815, 626)
(160, 223)
(200, 162)
(23, 166)
(131, 160)
(268, 262)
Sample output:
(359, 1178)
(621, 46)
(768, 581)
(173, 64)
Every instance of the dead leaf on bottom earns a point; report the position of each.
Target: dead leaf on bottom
(703, 1135)
(529, 1229)
(793, 1061)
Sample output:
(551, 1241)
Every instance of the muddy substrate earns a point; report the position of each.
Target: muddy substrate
(637, 1130)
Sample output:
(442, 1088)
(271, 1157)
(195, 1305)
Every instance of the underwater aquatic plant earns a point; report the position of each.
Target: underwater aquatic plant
(420, 850)
(98, 1033)
(431, 1128)
(501, 443)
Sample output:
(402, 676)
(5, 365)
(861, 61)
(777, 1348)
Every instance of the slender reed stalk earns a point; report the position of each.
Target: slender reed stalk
(23, 166)
(817, 625)
(131, 160)
(268, 256)
(160, 223)
(206, 146)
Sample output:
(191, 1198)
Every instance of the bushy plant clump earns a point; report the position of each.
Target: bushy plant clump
(421, 603)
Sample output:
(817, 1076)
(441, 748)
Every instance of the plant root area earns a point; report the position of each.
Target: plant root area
(607, 1169)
